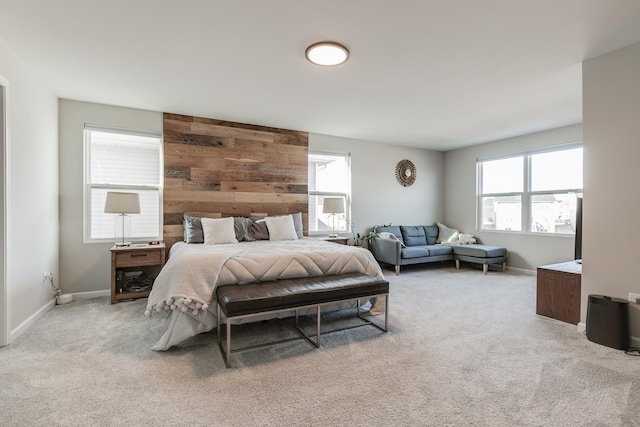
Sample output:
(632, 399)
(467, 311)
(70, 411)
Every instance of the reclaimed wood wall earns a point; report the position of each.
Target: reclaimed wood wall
(216, 168)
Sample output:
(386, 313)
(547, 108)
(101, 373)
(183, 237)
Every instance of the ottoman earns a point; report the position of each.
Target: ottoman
(480, 254)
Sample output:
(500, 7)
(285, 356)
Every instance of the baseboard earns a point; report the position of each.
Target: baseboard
(22, 327)
(90, 295)
(522, 271)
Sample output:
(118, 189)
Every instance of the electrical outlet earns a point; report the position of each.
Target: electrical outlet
(634, 298)
(47, 275)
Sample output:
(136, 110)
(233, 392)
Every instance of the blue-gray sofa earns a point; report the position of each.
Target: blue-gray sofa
(417, 244)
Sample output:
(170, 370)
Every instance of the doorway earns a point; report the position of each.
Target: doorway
(4, 300)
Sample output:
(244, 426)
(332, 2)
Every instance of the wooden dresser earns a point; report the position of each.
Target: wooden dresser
(558, 291)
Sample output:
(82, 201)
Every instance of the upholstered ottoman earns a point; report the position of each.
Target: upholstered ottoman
(480, 254)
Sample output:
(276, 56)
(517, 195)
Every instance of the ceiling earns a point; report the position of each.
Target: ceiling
(438, 74)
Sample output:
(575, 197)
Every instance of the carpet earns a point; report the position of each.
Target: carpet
(463, 349)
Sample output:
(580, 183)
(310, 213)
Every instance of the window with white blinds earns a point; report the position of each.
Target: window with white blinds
(125, 161)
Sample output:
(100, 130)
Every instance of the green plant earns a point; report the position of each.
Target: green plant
(362, 239)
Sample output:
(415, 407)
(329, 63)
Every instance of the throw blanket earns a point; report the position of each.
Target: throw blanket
(188, 280)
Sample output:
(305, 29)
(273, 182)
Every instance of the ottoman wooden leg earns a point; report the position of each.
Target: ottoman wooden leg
(485, 268)
(457, 264)
(397, 270)
(504, 267)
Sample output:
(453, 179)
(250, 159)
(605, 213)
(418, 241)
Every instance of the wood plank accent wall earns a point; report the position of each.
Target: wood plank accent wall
(217, 168)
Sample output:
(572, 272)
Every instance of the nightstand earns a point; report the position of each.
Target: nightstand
(133, 270)
(338, 240)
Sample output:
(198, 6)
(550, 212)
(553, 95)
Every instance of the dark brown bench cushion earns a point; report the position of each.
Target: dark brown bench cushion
(239, 300)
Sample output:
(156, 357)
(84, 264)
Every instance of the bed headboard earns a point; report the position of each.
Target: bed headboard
(215, 168)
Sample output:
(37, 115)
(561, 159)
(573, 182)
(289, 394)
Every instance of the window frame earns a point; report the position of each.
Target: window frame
(527, 194)
(88, 185)
(347, 195)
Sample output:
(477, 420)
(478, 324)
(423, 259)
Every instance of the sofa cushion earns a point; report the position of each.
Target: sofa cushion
(431, 232)
(435, 250)
(414, 252)
(393, 229)
(479, 251)
(413, 235)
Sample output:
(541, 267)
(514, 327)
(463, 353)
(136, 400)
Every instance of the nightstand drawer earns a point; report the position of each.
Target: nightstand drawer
(137, 258)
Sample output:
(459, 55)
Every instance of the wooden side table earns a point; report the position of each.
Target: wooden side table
(129, 260)
(338, 240)
(559, 290)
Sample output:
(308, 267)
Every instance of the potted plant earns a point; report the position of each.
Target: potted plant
(364, 239)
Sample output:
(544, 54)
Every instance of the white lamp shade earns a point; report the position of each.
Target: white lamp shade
(122, 203)
(333, 205)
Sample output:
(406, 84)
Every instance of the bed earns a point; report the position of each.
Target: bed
(184, 289)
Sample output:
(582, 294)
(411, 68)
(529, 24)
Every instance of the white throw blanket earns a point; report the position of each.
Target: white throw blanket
(185, 286)
(186, 283)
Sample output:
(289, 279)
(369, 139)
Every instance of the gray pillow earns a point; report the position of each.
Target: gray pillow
(192, 229)
(241, 227)
(297, 223)
(257, 229)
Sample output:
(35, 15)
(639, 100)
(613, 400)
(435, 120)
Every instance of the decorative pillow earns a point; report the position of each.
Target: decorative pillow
(192, 229)
(387, 235)
(257, 229)
(218, 231)
(297, 223)
(466, 239)
(281, 228)
(241, 228)
(446, 234)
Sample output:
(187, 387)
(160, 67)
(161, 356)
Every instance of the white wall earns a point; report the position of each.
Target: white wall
(32, 241)
(85, 267)
(611, 112)
(377, 196)
(526, 250)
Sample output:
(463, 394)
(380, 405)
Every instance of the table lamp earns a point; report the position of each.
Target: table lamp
(333, 206)
(122, 204)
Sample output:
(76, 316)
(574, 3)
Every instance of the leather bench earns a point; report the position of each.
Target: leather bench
(240, 301)
(480, 254)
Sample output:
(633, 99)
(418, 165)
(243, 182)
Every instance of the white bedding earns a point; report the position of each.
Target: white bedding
(185, 286)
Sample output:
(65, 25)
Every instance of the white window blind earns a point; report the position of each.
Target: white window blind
(127, 161)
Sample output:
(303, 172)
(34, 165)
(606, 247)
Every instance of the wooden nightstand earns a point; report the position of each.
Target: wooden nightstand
(133, 265)
(338, 240)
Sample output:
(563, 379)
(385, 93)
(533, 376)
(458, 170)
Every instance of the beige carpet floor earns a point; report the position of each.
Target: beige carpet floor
(464, 349)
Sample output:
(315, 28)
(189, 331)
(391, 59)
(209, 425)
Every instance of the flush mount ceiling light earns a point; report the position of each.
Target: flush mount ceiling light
(327, 54)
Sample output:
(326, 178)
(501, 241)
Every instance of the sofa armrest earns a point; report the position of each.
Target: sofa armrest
(385, 250)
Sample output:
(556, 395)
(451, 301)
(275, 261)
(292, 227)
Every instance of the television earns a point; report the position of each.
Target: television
(578, 244)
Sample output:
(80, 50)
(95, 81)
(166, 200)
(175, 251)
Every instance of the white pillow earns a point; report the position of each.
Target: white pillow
(446, 234)
(218, 231)
(281, 228)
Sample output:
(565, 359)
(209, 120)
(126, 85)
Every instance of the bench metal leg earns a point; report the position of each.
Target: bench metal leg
(386, 315)
(316, 343)
(226, 355)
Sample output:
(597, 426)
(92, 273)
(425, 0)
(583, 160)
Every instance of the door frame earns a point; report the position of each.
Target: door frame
(4, 212)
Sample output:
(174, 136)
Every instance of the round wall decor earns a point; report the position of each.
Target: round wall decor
(406, 172)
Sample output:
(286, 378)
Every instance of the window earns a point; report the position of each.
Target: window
(534, 191)
(128, 161)
(329, 176)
